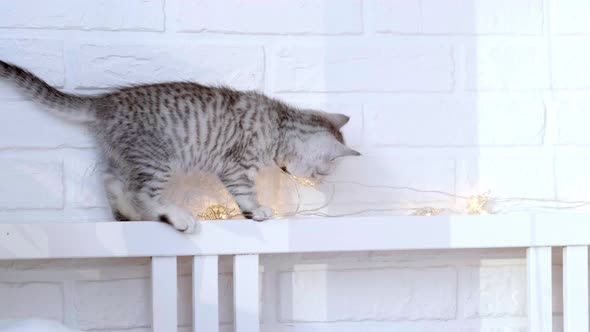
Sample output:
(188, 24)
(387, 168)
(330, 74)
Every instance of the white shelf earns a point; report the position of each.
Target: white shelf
(144, 239)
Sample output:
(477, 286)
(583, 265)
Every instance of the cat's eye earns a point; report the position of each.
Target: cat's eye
(284, 169)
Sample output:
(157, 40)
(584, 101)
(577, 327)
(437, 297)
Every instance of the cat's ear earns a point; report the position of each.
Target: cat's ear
(344, 151)
(337, 119)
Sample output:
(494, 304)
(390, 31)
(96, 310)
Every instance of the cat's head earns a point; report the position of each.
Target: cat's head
(317, 145)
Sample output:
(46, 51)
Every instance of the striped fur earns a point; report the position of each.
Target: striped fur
(149, 132)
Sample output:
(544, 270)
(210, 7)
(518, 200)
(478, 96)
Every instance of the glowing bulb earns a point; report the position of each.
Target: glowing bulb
(216, 212)
(477, 204)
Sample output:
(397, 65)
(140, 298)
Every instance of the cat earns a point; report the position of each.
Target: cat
(148, 132)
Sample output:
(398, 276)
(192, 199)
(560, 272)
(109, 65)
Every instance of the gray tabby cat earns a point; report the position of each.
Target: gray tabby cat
(149, 132)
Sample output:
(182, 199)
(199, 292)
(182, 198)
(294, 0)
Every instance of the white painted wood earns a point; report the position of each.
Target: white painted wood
(164, 290)
(112, 239)
(246, 301)
(205, 294)
(575, 289)
(102, 239)
(540, 306)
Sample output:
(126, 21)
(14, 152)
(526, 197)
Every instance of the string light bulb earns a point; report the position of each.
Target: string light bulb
(216, 212)
(477, 204)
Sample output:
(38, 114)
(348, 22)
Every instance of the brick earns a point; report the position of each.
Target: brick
(483, 17)
(569, 62)
(102, 66)
(569, 16)
(397, 16)
(41, 57)
(83, 180)
(494, 63)
(459, 17)
(276, 17)
(490, 119)
(399, 66)
(28, 300)
(113, 304)
(571, 174)
(493, 291)
(517, 174)
(88, 15)
(391, 295)
(26, 124)
(572, 118)
(31, 183)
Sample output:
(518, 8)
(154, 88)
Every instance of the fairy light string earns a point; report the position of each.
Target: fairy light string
(477, 204)
(427, 211)
(217, 212)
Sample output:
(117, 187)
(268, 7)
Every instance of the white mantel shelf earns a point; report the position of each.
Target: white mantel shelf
(145, 239)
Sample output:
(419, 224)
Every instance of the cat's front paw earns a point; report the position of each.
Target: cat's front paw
(180, 219)
(259, 214)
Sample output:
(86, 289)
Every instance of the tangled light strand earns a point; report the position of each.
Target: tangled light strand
(479, 204)
(217, 212)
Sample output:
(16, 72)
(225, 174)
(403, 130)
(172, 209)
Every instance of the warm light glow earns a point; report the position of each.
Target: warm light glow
(303, 181)
(477, 204)
(216, 212)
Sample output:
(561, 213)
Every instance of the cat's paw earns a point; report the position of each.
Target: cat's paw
(180, 219)
(259, 214)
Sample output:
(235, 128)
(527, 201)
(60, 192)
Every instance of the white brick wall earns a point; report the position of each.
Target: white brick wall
(475, 17)
(36, 299)
(276, 17)
(137, 15)
(31, 183)
(391, 295)
(460, 96)
(115, 303)
(494, 291)
(104, 65)
(418, 66)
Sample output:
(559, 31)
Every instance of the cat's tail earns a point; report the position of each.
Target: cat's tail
(72, 107)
